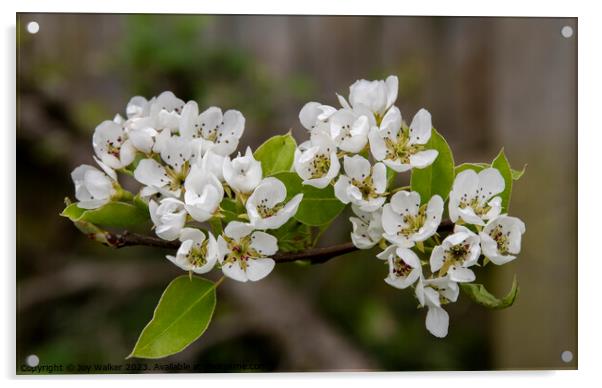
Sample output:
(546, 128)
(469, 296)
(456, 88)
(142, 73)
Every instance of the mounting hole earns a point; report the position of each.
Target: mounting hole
(33, 27)
(566, 356)
(567, 31)
(32, 360)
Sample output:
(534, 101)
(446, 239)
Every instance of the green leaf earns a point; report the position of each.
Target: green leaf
(182, 315)
(516, 174)
(293, 236)
(276, 154)
(140, 203)
(471, 166)
(231, 210)
(113, 214)
(391, 174)
(479, 294)
(318, 207)
(501, 163)
(292, 182)
(437, 178)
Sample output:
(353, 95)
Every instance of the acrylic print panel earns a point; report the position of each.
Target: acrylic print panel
(249, 262)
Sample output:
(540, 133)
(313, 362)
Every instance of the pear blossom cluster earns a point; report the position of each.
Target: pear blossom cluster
(184, 160)
(189, 167)
(353, 147)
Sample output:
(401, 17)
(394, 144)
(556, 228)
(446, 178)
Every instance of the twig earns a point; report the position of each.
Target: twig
(313, 256)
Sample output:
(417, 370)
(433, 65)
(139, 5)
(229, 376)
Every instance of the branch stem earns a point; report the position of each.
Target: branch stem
(313, 255)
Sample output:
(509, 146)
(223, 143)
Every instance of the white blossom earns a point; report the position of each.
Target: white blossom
(164, 112)
(316, 161)
(433, 293)
(267, 208)
(244, 254)
(112, 146)
(313, 116)
(214, 163)
(406, 222)
(349, 130)
(196, 253)
(137, 107)
(374, 96)
(501, 239)
(367, 228)
(167, 178)
(93, 188)
(204, 192)
(242, 173)
(142, 137)
(404, 266)
(456, 254)
(168, 216)
(218, 131)
(473, 196)
(400, 147)
(363, 185)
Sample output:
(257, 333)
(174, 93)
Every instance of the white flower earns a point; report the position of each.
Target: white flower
(137, 107)
(313, 115)
(177, 154)
(316, 161)
(375, 96)
(93, 188)
(401, 147)
(404, 266)
(363, 185)
(157, 179)
(243, 173)
(204, 193)
(406, 222)
(218, 132)
(433, 293)
(213, 163)
(501, 239)
(196, 253)
(169, 217)
(471, 197)
(367, 228)
(266, 207)
(349, 130)
(244, 253)
(112, 146)
(456, 253)
(141, 136)
(165, 111)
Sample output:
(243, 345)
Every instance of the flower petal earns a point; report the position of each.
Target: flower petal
(264, 244)
(258, 269)
(420, 128)
(149, 172)
(461, 275)
(193, 234)
(406, 202)
(357, 167)
(423, 159)
(392, 84)
(234, 271)
(379, 178)
(437, 321)
(437, 258)
(237, 230)
(491, 182)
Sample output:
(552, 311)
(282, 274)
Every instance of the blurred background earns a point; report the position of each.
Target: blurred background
(488, 82)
